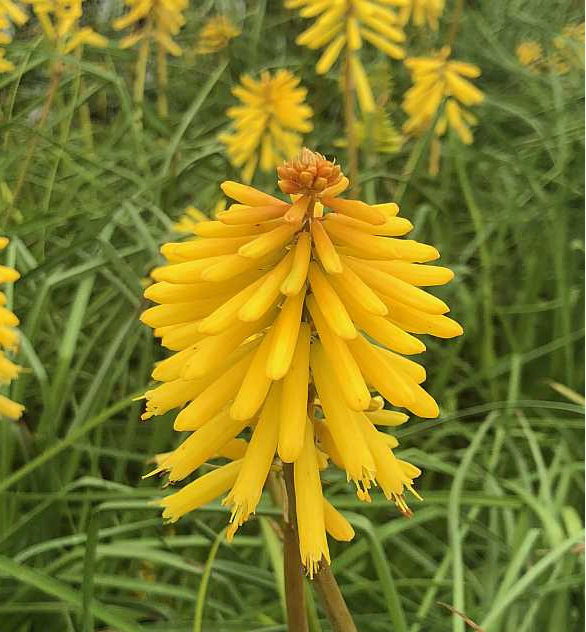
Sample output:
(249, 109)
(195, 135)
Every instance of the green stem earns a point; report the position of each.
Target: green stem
(332, 600)
(294, 595)
(350, 122)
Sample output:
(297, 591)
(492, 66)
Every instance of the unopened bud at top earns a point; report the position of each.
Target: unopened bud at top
(309, 173)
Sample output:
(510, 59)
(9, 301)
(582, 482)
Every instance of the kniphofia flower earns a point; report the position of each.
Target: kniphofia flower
(422, 13)
(435, 79)
(342, 26)
(59, 20)
(10, 15)
(569, 49)
(529, 54)
(8, 342)
(269, 123)
(277, 299)
(216, 35)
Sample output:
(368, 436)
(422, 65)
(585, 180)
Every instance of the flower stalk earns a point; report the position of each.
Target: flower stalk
(350, 123)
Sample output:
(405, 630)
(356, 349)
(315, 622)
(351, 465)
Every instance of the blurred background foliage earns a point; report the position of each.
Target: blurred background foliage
(496, 543)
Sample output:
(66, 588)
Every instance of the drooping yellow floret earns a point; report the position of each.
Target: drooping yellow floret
(316, 301)
(436, 79)
(269, 123)
(216, 35)
(529, 54)
(8, 342)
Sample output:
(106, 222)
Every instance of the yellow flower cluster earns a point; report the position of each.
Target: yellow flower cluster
(156, 20)
(435, 79)
(286, 317)
(529, 53)
(269, 123)
(8, 342)
(59, 20)
(10, 13)
(216, 35)
(342, 25)
(568, 52)
(422, 12)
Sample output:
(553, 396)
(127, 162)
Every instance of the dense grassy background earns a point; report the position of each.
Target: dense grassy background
(498, 535)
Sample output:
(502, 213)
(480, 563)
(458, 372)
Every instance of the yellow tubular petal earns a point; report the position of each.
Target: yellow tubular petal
(255, 385)
(268, 292)
(247, 215)
(354, 208)
(11, 410)
(373, 247)
(326, 443)
(335, 189)
(202, 248)
(295, 280)
(384, 331)
(186, 272)
(176, 313)
(235, 267)
(422, 323)
(286, 329)
(397, 290)
(349, 286)
(212, 351)
(248, 195)
(325, 249)
(227, 314)
(330, 55)
(415, 371)
(219, 229)
(346, 435)
(389, 209)
(393, 227)
(313, 545)
(215, 397)
(245, 495)
(330, 304)
(363, 90)
(200, 492)
(387, 417)
(233, 450)
(336, 525)
(352, 384)
(200, 446)
(414, 273)
(8, 275)
(179, 337)
(269, 242)
(297, 211)
(294, 398)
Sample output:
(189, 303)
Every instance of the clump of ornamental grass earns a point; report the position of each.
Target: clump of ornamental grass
(8, 342)
(269, 122)
(289, 321)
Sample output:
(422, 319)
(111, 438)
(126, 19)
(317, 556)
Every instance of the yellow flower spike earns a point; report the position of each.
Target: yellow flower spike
(294, 399)
(216, 35)
(363, 89)
(422, 12)
(8, 320)
(200, 492)
(325, 249)
(435, 79)
(296, 279)
(285, 337)
(268, 124)
(246, 492)
(295, 313)
(313, 545)
(336, 525)
(331, 306)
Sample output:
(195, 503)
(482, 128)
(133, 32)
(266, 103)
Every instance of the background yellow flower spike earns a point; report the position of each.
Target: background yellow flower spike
(269, 123)
(8, 342)
(317, 299)
(216, 34)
